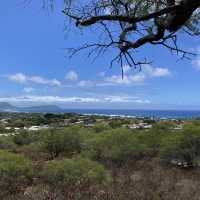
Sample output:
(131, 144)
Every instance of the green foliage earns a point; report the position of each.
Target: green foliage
(149, 121)
(18, 123)
(152, 139)
(51, 118)
(164, 126)
(116, 123)
(116, 146)
(58, 141)
(54, 144)
(33, 151)
(25, 138)
(72, 140)
(6, 143)
(15, 171)
(74, 172)
(184, 148)
(80, 157)
(99, 127)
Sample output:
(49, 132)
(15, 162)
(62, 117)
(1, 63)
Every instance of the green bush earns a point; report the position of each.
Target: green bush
(54, 144)
(116, 123)
(74, 172)
(72, 141)
(18, 123)
(153, 139)
(99, 127)
(164, 125)
(117, 146)
(57, 142)
(6, 143)
(25, 138)
(34, 151)
(15, 172)
(185, 148)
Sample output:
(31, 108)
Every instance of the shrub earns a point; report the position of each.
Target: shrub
(186, 148)
(164, 125)
(54, 144)
(72, 141)
(18, 123)
(74, 172)
(15, 171)
(57, 142)
(33, 151)
(99, 127)
(153, 139)
(25, 138)
(117, 146)
(116, 123)
(6, 143)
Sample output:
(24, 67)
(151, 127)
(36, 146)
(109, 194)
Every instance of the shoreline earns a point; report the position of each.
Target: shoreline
(140, 116)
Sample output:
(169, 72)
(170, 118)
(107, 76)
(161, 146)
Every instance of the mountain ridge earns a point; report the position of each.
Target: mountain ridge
(8, 107)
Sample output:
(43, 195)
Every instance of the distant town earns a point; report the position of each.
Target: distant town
(12, 123)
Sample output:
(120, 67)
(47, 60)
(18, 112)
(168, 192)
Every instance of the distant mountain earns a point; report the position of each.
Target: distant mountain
(42, 108)
(7, 107)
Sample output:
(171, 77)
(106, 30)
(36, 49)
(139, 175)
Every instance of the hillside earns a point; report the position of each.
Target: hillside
(7, 107)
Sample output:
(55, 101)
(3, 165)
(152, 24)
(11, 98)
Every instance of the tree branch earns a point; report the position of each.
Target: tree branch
(122, 18)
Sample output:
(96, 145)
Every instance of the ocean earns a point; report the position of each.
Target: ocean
(168, 114)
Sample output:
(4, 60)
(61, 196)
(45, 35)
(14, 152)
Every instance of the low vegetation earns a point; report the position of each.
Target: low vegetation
(15, 173)
(106, 161)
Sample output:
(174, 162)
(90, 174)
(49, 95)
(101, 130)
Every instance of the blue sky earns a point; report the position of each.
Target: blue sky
(35, 68)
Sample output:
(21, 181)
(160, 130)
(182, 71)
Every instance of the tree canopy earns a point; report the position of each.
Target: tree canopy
(127, 25)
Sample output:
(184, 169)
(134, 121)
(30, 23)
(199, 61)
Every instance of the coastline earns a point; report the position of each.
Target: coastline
(155, 114)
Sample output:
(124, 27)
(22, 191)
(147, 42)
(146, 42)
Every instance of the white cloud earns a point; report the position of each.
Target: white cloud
(86, 83)
(42, 81)
(37, 79)
(155, 71)
(125, 99)
(130, 78)
(19, 78)
(71, 76)
(138, 78)
(48, 99)
(28, 89)
(117, 79)
(126, 80)
(59, 99)
(134, 79)
(55, 82)
(24, 79)
(161, 72)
